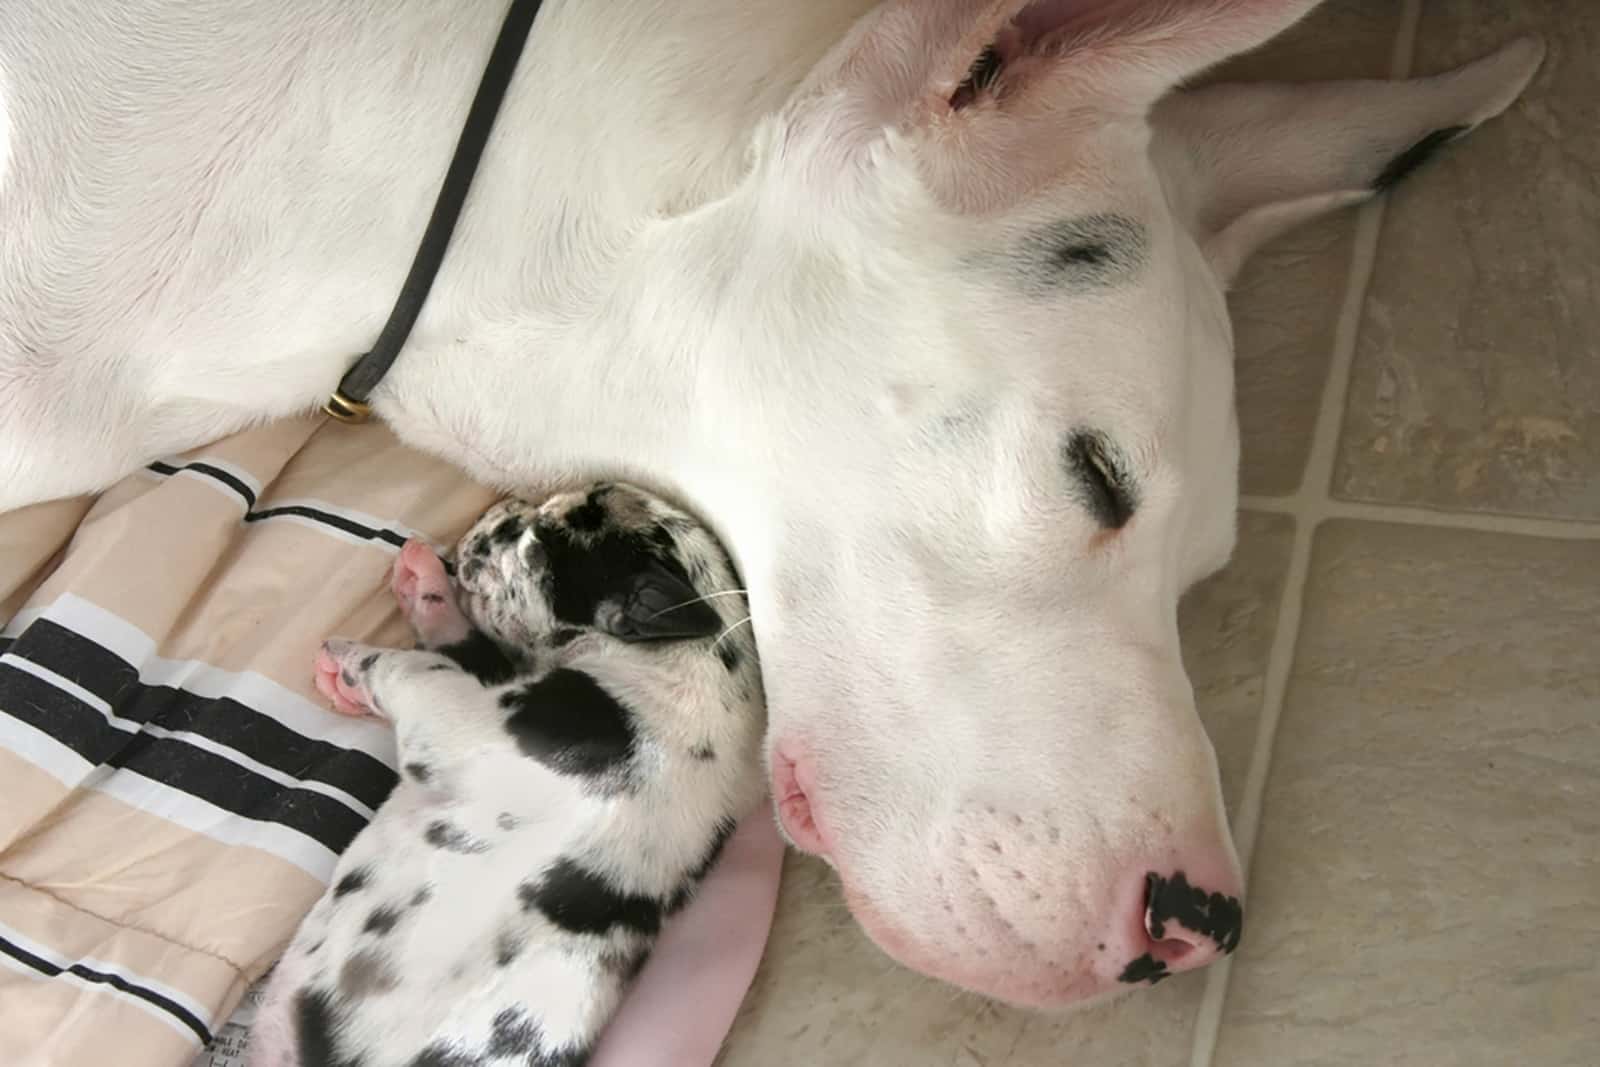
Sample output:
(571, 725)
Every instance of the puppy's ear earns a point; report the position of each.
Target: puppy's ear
(659, 605)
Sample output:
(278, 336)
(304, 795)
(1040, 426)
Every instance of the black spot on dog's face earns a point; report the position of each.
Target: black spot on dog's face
(728, 655)
(381, 920)
(482, 657)
(1144, 969)
(1219, 917)
(1101, 478)
(1089, 252)
(569, 723)
(423, 894)
(703, 753)
(353, 882)
(581, 902)
(513, 1034)
(419, 771)
(449, 837)
(347, 678)
(368, 660)
(1406, 163)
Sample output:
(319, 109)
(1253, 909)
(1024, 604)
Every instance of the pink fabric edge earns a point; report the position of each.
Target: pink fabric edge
(684, 1002)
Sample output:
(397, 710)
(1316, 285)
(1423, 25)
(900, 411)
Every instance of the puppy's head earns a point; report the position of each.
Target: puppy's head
(608, 561)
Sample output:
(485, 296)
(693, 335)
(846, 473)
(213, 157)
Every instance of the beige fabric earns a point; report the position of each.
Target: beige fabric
(174, 792)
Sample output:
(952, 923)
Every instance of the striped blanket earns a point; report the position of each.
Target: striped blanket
(173, 793)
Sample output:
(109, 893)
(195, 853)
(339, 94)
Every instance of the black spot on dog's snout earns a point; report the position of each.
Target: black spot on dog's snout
(1219, 917)
(580, 901)
(419, 771)
(568, 722)
(1406, 163)
(1144, 969)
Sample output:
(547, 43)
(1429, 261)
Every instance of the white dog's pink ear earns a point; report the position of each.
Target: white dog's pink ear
(1246, 162)
(998, 87)
(912, 61)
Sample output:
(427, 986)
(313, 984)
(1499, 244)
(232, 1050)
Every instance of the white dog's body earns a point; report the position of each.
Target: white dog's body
(923, 311)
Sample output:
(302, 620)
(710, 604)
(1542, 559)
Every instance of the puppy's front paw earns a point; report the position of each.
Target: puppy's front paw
(341, 674)
(426, 597)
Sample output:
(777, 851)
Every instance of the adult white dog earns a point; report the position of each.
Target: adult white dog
(921, 306)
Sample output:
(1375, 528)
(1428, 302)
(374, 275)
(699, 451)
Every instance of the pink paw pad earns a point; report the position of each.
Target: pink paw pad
(426, 597)
(337, 679)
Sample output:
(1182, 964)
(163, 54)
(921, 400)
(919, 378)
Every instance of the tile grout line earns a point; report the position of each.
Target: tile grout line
(1307, 508)
(1316, 511)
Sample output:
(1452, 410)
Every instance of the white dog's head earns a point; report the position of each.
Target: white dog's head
(969, 327)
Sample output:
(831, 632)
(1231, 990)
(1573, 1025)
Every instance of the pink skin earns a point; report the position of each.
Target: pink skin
(426, 599)
(793, 786)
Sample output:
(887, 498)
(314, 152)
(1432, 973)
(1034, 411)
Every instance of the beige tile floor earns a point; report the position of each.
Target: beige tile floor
(1401, 668)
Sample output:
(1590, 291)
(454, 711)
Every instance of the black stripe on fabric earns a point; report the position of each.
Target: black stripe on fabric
(224, 720)
(175, 763)
(317, 515)
(216, 474)
(116, 981)
(338, 522)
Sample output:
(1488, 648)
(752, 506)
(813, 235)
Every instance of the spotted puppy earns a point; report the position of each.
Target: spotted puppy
(578, 734)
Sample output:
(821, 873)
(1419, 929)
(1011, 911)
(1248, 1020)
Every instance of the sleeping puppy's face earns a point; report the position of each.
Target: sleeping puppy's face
(610, 559)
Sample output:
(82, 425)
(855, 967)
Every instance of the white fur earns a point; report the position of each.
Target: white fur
(708, 252)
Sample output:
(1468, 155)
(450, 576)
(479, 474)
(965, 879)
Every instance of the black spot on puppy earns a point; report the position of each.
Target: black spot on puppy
(423, 894)
(698, 873)
(347, 678)
(368, 660)
(1144, 969)
(512, 1034)
(582, 902)
(481, 657)
(316, 1029)
(1402, 166)
(381, 920)
(452, 838)
(507, 947)
(507, 531)
(569, 723)
(366, 974)
(350, 883)
(728, 655)
(419, 771)
(589, 516)
(625, 965)
(564, 636)
(440, 1054)
(507, 821)
(1219, 917)
(703, 753)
